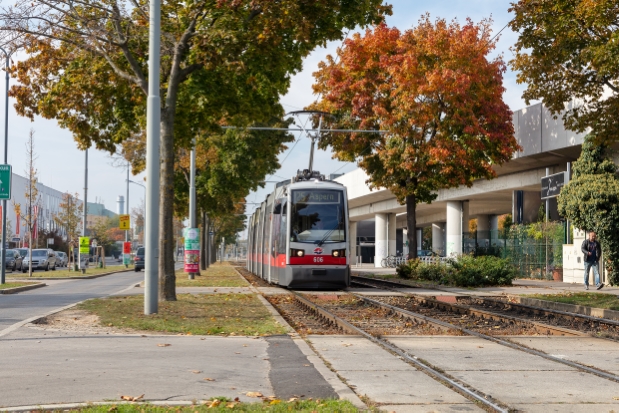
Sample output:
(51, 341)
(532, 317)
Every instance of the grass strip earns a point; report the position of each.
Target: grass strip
(596, 300)
(67, 273)
(217, 275)
(13, 285)
(203, 314)
(222, 404)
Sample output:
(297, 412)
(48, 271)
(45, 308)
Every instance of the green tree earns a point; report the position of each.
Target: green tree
(567, 53)
(591, 200)
(434, 92)
(222, 61)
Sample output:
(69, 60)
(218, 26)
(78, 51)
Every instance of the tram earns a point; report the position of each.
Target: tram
(298, 236)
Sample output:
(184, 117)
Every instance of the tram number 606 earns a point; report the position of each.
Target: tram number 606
(318, 259)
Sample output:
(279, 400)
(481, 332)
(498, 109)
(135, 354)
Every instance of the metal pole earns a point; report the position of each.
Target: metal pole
(85, 189)
(567, 221)
(546, 229)
(127, 231)
(192, 193)
(6, 149)
(153, 115)
(311, 162)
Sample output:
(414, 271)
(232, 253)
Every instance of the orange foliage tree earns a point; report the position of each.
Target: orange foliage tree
(437, 99)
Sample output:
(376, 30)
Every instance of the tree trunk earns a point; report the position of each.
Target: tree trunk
(203, 243)
(411, 223)
(167, 279)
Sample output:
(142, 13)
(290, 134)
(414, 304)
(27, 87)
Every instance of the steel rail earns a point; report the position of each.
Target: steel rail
(573, 364)
(462, 388)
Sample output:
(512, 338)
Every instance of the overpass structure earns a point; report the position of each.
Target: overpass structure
(547, 148)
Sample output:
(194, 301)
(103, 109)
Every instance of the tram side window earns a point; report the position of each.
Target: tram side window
(277, 209)
(282, 230)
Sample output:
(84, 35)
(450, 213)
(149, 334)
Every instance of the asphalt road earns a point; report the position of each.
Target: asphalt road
(15, 308)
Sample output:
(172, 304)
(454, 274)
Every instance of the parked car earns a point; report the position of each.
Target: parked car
(63, 258)
(22, 251)
(13, 260)
(139, 259)
(42, 258)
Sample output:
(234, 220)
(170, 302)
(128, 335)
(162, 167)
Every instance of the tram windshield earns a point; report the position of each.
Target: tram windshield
(317, 216)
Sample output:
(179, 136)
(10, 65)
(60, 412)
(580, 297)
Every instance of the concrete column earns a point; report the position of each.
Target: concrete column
(438, 238)
(465, 216)
(453, 229)
(352, 243)
(391, 234)
(419, 233)
(380, 238)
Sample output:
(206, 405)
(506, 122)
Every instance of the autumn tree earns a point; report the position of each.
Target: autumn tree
(567, 55)
(435, 97)
(221, 61)
(591, 200)
(31, 194)
(69, 216)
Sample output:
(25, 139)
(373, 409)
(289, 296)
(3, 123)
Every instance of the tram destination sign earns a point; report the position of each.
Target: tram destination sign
(552, 184)
(316, 197)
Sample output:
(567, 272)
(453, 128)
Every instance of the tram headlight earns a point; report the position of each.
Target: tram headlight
(297, 253)
(338, 253)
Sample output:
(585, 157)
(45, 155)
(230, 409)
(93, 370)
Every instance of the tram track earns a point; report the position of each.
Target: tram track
(444, 314)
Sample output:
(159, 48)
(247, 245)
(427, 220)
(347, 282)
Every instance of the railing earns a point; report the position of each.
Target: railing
(433, 260)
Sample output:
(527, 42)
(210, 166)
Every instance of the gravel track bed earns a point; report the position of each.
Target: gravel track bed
(572, 322)
(471, 322)
(303, 321)
(253, 279)
(377, 321)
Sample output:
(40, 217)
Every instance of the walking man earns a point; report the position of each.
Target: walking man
(592, 250)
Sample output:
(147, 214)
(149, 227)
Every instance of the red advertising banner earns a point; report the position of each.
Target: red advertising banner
(18, 224)
(126, 248)
(192, 261)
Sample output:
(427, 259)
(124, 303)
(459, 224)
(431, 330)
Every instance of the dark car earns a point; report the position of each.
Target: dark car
(42, 258)
(22, 251)
(139, 259)
(13, 260)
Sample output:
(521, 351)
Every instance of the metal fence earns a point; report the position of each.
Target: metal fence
(536, 250)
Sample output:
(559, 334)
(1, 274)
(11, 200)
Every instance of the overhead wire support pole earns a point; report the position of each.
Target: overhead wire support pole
(192, 193)
(6, 150)
(153, 116)
(127, 231)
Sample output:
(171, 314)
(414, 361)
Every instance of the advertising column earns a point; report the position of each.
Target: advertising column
(126, 253)
(192, 250)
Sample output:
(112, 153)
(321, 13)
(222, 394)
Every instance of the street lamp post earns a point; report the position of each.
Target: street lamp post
(6, 146)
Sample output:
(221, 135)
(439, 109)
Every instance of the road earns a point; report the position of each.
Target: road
(15, 308)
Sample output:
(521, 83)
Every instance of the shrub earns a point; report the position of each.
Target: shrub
(466, 271)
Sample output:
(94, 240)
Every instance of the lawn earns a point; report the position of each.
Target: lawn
(13, 285)
(65, 273)
(217, 275)
(606, 301)
(221, 404)
(206, 314)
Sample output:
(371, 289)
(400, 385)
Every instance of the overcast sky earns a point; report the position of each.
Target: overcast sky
(61, 164)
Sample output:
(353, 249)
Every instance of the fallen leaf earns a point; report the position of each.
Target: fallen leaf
(615, 398)
(131, 398)
(231, 405)
(213, 403)
(236, 352)
(253, 394)
(163, 345)
(209, 379)
(196, 371)
(293, 399)
(276, 401)
(306, 365)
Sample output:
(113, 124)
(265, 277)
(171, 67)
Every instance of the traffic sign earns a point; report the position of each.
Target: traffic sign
(84, 245)
(6, 179)
(124, 221)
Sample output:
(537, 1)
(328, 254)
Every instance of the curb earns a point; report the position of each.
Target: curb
(568, 308)
(16, 290)
(342, 390)
(69, 406)
(81, 277)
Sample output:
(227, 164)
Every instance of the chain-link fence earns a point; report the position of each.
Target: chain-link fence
(535, 249)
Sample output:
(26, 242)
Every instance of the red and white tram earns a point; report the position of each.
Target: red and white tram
(298, 236)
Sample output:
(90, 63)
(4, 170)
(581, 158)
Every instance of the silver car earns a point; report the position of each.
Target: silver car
(43, 259)
(62, 259)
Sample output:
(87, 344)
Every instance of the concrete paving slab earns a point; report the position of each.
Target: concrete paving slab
(379, 375)
(542, 387)
(472, 353)
(572, 408)
(56, 367)
(600, 353)
(430, 408)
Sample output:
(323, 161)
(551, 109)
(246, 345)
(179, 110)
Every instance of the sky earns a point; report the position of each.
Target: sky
(60, 164)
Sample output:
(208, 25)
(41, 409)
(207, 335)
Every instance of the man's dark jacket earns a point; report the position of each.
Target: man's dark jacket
(585, 249)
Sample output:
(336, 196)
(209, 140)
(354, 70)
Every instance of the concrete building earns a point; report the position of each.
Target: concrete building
(48, 202)
(97, 213)
(378, 221)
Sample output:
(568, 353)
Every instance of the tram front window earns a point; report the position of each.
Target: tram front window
(317, 216)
